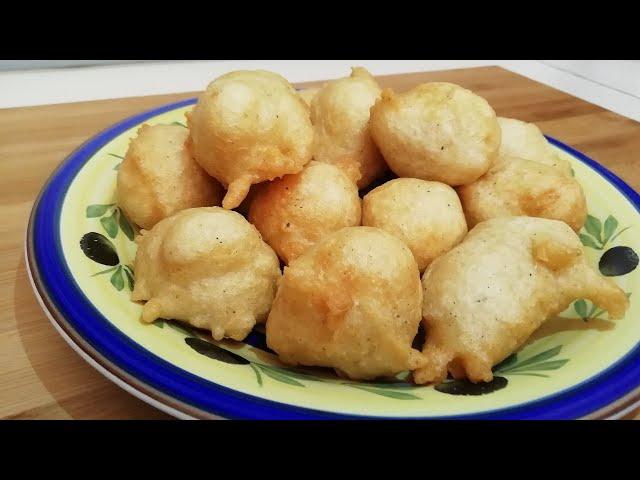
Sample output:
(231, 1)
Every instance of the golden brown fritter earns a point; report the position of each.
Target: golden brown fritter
(340, 117)
(294, 212)
(307, 95)
(484, 298)
(525, 140)
(158, 177)
(208, 267)
(248, 127)
(427, 216)
(351, 302)
(436, 131)
(524, 187)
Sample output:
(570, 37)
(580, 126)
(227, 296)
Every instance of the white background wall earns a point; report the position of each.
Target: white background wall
(35, 64)
(622, 75)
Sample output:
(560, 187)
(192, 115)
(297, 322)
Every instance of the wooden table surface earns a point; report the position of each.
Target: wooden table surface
(42, 377)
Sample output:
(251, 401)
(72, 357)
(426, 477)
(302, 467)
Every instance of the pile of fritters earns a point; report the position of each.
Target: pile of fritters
(357, 191)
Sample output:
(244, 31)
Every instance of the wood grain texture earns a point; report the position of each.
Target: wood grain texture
(41, 377)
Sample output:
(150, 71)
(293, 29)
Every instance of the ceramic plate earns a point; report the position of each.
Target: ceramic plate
(80, 253)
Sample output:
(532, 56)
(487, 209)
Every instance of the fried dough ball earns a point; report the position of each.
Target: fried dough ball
(248, 127)
(436, 131)
(158, 177)
(207, 267)
(294, 212)
(340, 117)
(524, 187)
(426, 216)
(484, 298)
(525, 140)
(351, 302)
(307, 95)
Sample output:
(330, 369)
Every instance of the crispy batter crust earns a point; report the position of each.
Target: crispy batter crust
(524, 187)
(248, 127)
(340, 117)
(351, 302)
(307, 95)
(484, 298)
(525, 140)
(427, 216)
(294, 212)
(208, 267)
(158, 177)
(436, 131)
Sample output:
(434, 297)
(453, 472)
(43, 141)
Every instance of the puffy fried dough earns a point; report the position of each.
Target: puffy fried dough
(525, 140)
(307, 94)
(208, 267)
(158, 177)
(248, 127)
(340, 117)
(294, 212)
(485, 297)
(436, 131)
(524, 187)
(427, 216)
(351, 302)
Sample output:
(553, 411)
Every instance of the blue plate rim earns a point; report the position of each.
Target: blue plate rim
(599, 396)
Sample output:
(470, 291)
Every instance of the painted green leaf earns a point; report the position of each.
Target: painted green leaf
(573, 173)
(97, 210)
(211, 350)
(117, 280)
(506, 363)
(158, 323)
(108, 270)
(125, 226)
(387, 393)
(528, 374)
(130, 278)
(257, 372)
(540, 357)
(279, 377)
(619, 233)
(117, 167)
(610, 225)
(110, 225)
(587, 241)
(552, 365)
(597, 313)
(594, 227)
(580, 306)
(395, 385)
(293, 373)
(179, 123)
